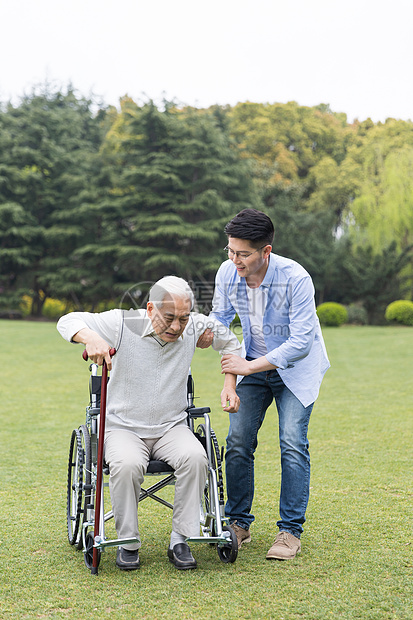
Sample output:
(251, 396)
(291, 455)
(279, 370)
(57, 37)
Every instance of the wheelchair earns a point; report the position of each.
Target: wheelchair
(86, 516)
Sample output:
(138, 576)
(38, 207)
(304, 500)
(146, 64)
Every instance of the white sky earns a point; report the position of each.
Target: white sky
(355, 55)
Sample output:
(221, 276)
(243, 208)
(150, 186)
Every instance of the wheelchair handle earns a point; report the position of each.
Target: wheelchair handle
(85, 356)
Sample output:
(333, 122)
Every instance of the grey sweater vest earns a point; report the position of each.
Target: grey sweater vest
(147, 391)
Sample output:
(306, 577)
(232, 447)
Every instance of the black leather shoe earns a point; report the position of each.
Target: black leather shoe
(181, 557)
(127, 560)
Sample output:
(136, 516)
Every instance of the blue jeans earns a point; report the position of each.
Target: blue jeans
(256, 393)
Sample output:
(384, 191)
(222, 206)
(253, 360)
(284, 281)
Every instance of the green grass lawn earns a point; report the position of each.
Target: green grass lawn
(356, 560)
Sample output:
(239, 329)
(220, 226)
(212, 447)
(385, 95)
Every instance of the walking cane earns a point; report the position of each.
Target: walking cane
(99, 472)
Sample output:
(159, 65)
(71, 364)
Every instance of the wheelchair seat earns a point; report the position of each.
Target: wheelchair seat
(158, 467)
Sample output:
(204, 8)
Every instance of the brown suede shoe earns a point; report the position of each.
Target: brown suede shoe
(243, 536)
(285, 547)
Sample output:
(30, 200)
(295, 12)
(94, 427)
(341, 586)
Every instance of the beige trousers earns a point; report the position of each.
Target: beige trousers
(127, 456)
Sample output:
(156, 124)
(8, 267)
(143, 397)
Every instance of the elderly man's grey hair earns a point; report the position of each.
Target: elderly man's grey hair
(171, 285)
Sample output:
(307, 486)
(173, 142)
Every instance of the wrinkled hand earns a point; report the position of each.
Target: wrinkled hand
(98, 351)
(229, 400)
(235, 365)
(205, 339)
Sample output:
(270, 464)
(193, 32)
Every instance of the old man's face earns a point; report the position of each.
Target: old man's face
(170, 319)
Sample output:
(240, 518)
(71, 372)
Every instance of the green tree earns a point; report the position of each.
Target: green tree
(305, 237)
(47, 150)
(19, 235)
(94, 200)
(290, 137)
(177, 180)
(372, 278)
(382, 211)
(303, 177)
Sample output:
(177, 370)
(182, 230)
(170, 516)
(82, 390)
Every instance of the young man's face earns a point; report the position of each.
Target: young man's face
(170, 319)
(248, 260)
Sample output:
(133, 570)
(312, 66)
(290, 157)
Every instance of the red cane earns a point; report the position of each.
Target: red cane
(99, 473)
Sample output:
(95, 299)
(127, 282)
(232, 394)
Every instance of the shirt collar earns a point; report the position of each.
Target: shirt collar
(269, 275)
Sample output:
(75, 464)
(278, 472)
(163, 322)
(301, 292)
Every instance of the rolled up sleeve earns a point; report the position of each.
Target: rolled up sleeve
(224, 341)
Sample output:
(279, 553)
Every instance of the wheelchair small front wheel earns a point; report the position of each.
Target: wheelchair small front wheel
(88, 552)
(228, 553)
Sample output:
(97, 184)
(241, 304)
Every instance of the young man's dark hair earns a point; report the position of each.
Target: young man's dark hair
(252, 225)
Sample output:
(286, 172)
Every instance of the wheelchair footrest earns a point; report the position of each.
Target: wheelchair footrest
(101, 543)
(219, 540)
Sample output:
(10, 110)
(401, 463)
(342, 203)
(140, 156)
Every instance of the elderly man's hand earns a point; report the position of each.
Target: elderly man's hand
(205, 339)
(96, 347)
(99, 352)
(229, 400)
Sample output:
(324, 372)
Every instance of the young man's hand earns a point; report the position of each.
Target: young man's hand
(240, 366)
(235, 365)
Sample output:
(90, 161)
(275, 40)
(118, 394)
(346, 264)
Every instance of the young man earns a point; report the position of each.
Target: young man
(284, 359)
(146, 405)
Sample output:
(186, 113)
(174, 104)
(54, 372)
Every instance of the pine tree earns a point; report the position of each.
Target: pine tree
(177, 181)
(48, 147)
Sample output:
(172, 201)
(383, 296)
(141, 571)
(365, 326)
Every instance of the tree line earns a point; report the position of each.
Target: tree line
(96, 201)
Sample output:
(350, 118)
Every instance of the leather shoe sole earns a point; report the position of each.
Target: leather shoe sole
(181, 557)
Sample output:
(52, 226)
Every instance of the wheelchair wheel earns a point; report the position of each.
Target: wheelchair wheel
(215, 456)
(217, 466)
(86, 478)
(207, 517)
(74, 488)
(78, 484)
(228, 553)
(88, 552)
(207, 520)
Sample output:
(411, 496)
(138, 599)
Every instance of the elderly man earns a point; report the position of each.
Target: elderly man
(146, 405)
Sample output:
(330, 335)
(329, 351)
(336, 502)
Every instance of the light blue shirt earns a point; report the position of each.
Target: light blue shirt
(291, 328)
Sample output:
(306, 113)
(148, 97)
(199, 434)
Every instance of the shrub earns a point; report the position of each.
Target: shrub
(53, 308)
(332, 314)
(357, 315)
(102, 306)
(400, 311)
(26, 305)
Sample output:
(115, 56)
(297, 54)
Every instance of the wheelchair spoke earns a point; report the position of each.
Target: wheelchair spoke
(209, 511)
(86, 477)
(74, 488)
(78, 484)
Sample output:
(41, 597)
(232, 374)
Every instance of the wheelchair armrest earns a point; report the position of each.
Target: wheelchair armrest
(198, 412)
